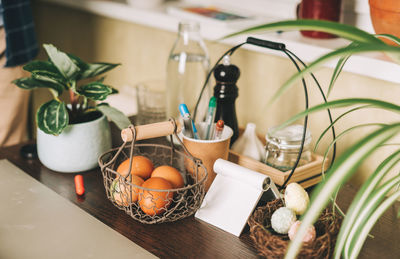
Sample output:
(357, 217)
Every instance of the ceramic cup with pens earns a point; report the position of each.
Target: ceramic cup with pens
(207, 150)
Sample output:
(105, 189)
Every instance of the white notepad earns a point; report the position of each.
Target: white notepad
(233, 196)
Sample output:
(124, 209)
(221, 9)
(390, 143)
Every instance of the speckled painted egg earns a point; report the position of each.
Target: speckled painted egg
(296, 198)
(308, 237)
(282, 219)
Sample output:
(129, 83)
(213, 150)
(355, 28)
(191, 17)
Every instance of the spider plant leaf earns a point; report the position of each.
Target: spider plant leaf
(363, 233)
(393, 38)
(336, 120)
(338, 69)
(114, 115)
(52, 117)
(349, 50)
(361, 197)
(339, 173)
(372, 202)
(342, 103)
(338, 137)
(64, 64)
(95, 90)
(341, 30)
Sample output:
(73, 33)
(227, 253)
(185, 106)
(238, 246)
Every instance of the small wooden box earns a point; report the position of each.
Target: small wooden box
(306, 175)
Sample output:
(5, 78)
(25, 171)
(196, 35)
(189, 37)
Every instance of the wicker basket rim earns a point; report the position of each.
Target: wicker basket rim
(200, 163)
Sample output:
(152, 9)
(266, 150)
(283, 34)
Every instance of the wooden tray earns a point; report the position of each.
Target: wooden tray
(306, 175)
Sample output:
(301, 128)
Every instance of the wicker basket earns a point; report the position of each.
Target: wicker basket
(146, 205)
(273, 245)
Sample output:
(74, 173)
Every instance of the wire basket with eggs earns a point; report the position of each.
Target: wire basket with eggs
(153, 183)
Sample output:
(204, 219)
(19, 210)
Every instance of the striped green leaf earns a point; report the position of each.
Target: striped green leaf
(390, 37)
(95, 69)
(360, 237)
(338, 174)
(38, 66)
(63, 63)
(341, 30)
(78, 61)
(342, 103)
(29, 83)
(349, 50)
(369, 206)
(361, 197)
(334, 122)
(95, 90)
(114, 115)
(338, 69)
(52, 117)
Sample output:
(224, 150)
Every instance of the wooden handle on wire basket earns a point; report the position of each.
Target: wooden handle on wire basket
(153, 130)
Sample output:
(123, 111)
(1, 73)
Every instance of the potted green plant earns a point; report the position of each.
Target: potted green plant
(71, 137)
(374, 196)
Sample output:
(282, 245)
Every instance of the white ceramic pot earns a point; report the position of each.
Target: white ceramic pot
(77, 148)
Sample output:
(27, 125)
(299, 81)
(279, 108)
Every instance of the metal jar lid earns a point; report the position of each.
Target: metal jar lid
(289, 137)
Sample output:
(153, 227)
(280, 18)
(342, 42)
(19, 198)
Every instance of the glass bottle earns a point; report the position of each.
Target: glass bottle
(226, 92)
(188, 65)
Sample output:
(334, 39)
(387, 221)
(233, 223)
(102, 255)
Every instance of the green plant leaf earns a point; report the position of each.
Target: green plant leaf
(334, 122)
(95, 90)
(37, 66)
(29, 83)
(79, 62)
(360, 198)
(338, 69)
(52, 117)
(393, 38)
(64, 64)
(114, 115)
(338, 137)
(332, 55)
(339, 173)
(341, 30)
(342, 103)
(363, 233)
(367, 209)
(95, 69)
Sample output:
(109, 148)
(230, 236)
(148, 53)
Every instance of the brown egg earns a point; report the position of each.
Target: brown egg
(141, 166)
(170, 174)
(120, 190)
(155, 202)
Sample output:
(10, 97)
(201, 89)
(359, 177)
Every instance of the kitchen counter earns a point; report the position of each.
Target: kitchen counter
(187, 238)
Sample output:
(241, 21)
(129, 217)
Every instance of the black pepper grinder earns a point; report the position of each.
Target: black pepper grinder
(226, 92)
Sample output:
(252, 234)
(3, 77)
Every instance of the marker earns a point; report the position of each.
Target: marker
(190, 128)
(210, 116)
(219, 127)
(79, 187)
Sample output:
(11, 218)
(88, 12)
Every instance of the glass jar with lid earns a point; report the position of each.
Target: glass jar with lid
(283, 147)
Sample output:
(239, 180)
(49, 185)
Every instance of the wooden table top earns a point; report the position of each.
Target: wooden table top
(187, 238)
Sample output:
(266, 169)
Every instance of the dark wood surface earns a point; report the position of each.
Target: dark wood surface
(187, 238)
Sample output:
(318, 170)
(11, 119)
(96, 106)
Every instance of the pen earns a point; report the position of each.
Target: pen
(210, 116)
(219, 127)
(190, 128)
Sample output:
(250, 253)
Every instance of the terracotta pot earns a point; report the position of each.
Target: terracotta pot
(319, 10)
(385, 17)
